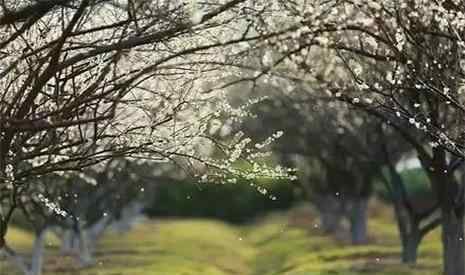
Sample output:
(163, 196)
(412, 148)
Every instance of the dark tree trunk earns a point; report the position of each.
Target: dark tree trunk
(331, 213)
(410, 236)
(2, 234)
(409, 229)
(410, 243)
(451, 199)
(452, 241)
(330, 221)
(408, 216)
(358, 221)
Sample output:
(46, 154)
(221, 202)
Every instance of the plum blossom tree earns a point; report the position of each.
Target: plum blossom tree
(83, 82)
(85, 205)
(333, 152)
(340, 150)
(104, 197)
(400, 61)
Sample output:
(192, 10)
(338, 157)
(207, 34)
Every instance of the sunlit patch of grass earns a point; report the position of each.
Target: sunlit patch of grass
(178, 247)
(280, 244)
(305, 251)
(168, 247)
(19, 237)
(383, 231)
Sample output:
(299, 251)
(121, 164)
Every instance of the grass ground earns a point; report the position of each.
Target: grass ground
(288, 244)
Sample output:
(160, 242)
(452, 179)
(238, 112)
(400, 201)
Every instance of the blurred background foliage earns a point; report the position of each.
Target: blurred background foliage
(236, 203)
(205, 200)
(183, 198)
(417, 186)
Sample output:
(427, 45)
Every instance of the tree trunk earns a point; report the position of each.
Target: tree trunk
(331, 213)
(129, 216)
(85, 256)
(358, 221)
(38, 253)
(85, 241)
(410, 243)
(97, 229)
(81, 242)
(409, 233)
(451, 199)
(410, 238)
(330, 221)
(408, 222)
(67, 241)
(452, 240)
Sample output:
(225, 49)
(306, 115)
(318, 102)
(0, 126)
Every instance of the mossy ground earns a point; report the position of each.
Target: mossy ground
(287, 243)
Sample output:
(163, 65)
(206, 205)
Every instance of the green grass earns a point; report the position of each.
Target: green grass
(287, 244)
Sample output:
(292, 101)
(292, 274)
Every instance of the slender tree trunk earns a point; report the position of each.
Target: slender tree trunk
(67, 241)
(331, 213)
(409, 233)
(358, 221)
(38, 253)
(3, 225)
(452, 240)
(409, 227)
(410, 243)
(410, 237)
(129, 216)
(330, 221)
(96, 230)
(451, 199)
(85, 240)
(85, 256)
(81, 242)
